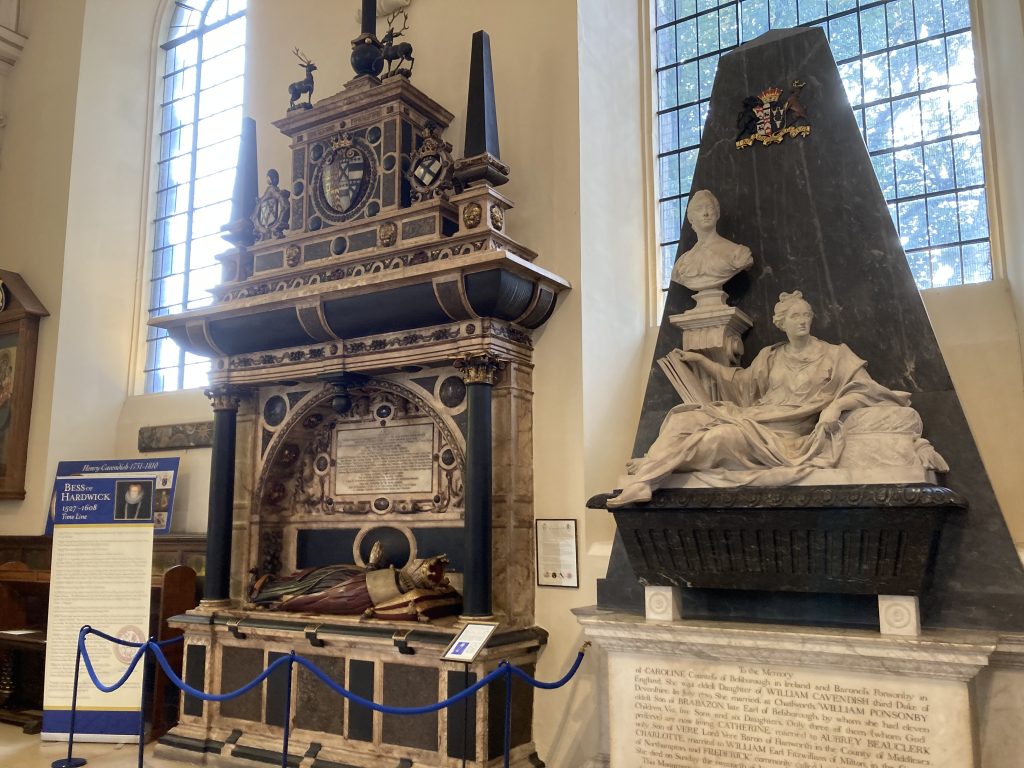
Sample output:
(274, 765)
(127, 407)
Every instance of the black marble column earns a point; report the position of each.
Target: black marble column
(217, 584)
(479, 372)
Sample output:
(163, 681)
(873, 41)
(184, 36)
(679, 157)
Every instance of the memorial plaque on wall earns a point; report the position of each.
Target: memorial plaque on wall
(385, 460)
(727, 715)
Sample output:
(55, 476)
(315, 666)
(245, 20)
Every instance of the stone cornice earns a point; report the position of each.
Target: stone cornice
(943, 655)
(11, 46)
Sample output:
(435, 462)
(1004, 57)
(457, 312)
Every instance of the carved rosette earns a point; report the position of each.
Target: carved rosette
(479, 369)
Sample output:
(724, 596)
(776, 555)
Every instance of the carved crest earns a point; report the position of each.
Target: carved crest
(769, 118)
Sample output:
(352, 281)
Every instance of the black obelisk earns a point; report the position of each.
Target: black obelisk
(813, 214)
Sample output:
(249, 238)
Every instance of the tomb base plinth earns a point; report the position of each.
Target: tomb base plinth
(394, 663)
(853, 539)
(685, 694)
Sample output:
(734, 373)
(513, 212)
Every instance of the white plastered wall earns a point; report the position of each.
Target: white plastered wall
(73, 188)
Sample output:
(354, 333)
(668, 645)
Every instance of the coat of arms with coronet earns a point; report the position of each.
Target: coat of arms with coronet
(769, 118)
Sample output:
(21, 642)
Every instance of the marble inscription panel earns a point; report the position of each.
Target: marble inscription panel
(672, 714)
(385, 460)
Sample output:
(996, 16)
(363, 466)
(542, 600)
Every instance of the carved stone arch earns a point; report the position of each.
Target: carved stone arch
(284, 453)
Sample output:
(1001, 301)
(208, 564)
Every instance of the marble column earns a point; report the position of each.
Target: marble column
(479, 372)
(216, 590)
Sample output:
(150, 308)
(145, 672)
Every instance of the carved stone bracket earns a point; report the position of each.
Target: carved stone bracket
(479, 369)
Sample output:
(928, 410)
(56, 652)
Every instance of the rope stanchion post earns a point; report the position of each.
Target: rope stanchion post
(508, 711)
(69, 761)
(142, 703)
(287, 709)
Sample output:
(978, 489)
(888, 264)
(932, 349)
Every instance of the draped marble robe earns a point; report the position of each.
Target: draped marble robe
(765, 429)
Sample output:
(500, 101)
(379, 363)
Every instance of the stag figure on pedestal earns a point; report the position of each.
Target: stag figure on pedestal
(299, 87)
(399, 52)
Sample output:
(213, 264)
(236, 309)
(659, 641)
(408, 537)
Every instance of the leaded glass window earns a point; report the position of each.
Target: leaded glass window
(200, 123)
(908, 68)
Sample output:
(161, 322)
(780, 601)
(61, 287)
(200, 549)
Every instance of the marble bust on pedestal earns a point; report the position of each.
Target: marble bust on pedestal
(709, 264)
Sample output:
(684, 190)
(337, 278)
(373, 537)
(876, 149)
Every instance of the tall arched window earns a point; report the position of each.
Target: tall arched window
(200, 122)
(908, 68)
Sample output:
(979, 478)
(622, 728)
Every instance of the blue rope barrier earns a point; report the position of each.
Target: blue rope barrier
(504, 669)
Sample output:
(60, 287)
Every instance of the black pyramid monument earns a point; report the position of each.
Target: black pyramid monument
(813, 214)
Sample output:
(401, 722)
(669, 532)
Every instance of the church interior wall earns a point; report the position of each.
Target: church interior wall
(74, 187)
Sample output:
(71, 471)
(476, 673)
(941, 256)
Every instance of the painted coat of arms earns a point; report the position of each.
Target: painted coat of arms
(769, 118)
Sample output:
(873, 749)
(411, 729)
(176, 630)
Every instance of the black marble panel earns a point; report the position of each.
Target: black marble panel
(298, 163)
(315, 251)
(268, 330)
(522, 713)
(412, 306)
(317, 708)
(409, 686)
(272, 260)
(406, 149)
(314, 547)
(811, 211)
(277, 691)
(195, 676)
(360, 719)
(390, 132)
(419, 227)
(497, 293)
(360, 241)
(462, 717)
(238, 667)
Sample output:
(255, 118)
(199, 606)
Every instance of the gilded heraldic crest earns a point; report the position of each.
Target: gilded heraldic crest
(769, 118)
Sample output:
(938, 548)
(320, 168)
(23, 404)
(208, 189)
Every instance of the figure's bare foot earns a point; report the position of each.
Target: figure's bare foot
(634, 493)
(633, 466)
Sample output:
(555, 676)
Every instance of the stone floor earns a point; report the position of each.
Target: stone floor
(17, 750)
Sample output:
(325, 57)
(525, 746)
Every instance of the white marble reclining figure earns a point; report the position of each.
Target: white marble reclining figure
(802, 406)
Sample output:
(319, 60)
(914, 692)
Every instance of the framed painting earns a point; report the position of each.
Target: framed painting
(20, 312)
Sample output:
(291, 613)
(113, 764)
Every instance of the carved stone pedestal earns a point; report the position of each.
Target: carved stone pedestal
(725, 695)
(391, 663)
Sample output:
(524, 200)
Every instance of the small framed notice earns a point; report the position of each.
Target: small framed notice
(557, 557)
(469, 642)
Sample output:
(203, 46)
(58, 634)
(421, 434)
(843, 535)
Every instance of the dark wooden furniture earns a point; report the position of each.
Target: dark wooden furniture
(24, 593)
(20, 312)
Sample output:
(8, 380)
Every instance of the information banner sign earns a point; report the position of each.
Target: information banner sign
(101, 575)
(163, 472)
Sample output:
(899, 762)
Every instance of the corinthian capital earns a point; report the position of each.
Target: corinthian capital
(479, 369)
(224, 397)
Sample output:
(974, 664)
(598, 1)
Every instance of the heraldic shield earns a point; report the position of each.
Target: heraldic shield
(768, 118)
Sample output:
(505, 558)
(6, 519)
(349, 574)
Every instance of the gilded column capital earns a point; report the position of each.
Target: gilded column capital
(224, 397)
(479, 369)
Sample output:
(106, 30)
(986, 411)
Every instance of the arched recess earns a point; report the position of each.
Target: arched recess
(370, 453)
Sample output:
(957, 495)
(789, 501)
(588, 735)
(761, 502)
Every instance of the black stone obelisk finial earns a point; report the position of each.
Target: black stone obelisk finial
(366, 53)
(239, 230)
(481, 161)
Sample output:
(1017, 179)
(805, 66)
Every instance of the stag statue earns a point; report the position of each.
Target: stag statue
(397, 53)
(299, 87)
